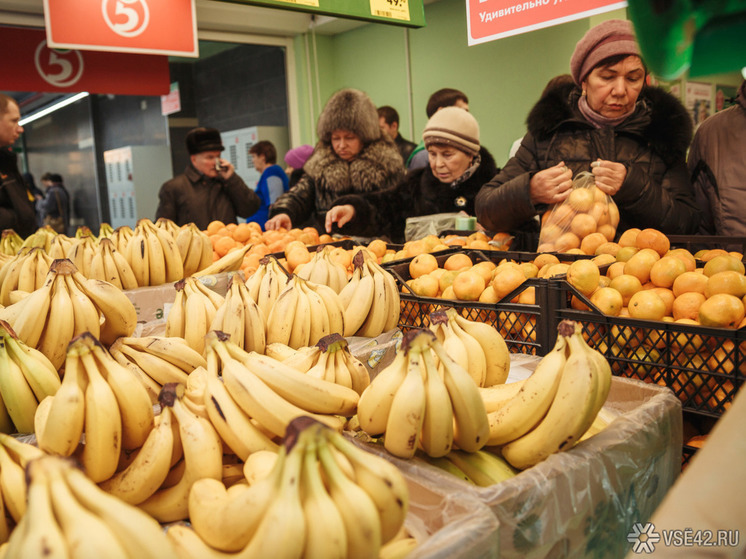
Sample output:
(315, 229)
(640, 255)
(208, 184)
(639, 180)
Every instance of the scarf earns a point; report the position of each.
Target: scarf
(468, 173)
(597, 119)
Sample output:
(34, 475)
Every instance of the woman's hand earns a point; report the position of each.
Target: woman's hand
(280, 220)
(552, 185)
(340, 215)
(609, 175)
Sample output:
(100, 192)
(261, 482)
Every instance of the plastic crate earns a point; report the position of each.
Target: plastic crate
(693, 243)
(346, 244)
(705, 367)
(397, 262)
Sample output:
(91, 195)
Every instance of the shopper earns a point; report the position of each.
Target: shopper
(16, 202)
(458, 167)
(295, 159)
(351, 157)
(446, 97)
(388, 118)
(54, 208)
(631, 136)
(209, 188)
(273, 181)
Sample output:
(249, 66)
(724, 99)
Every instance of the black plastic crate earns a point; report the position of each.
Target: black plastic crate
(687, 453)
(346, 244)
(693, 243)
(705, 367)
(399, 261)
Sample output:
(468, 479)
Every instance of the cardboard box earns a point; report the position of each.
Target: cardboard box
(583, 502)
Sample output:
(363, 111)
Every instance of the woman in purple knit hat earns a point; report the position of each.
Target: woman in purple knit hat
(632, 136)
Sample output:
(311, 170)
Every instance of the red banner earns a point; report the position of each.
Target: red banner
(488, 20)
(138, 26)
(36, 67)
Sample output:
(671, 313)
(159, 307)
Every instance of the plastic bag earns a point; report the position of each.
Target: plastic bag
(421, 226)
(583, 222)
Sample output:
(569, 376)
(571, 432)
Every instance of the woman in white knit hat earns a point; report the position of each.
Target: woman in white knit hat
(458, 167)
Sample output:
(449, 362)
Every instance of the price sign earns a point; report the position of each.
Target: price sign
(394, 9)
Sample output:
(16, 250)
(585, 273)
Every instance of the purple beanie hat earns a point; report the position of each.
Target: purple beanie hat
(297, 157)
(610, 38)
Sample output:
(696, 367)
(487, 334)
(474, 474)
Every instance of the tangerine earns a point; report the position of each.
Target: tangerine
(629, 238)
(728, 281)
(583, 275)
(458, 261)
(721, 311)
(687, 305)
(582, 225)
(627, 285)
(591, 242)
(721, 263)
(689, 281)
(646, 304)
(468, 285)
(581, 199)
(652, 238)
(608, 300)
(665, 271)
(422, 264)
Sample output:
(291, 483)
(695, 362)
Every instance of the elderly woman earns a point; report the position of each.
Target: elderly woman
(632, 137)
(352, 157)
(457, 169)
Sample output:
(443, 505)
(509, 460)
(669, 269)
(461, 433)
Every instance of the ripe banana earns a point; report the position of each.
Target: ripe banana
(59, 328)
(497, 395)
(174, 350)
(229, 263)
(482, 467)
(17, 396)
(240, 317)
(86, 317)
(374, 323)
(497, 355)
(281, 318)
(436, 436)
(375, 401)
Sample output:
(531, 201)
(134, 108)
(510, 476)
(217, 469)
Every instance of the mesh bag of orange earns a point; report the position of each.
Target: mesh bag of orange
(586, 219)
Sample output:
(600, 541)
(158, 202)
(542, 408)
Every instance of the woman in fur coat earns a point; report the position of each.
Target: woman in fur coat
(632, 137)
(457, 169)
(351, 157)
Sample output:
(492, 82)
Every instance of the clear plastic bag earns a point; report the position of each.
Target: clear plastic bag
(582, 222)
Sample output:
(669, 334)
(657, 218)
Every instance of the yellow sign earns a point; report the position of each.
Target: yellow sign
(314, 3)
(393, 9)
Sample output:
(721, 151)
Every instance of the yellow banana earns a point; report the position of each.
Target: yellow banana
(497, 395)
(376, 320)
(196, 323)
(215, 298)
(120, 315)
(282, 316)
(171, 255)
(436, 437)
(86, 317)
(255, 330)
(301, 330)
(28, 316)
(138, 257)
(229, 263)
(124, 270)
(175, 317)
(334, 308)
(231, 316)
(13, 485)
(39, 372)
(495, 349)
(17, 395)
(157, 368)
(482, 467)
(375, 401)
(59, 327)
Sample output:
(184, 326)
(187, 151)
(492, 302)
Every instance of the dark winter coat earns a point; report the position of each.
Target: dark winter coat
(326, 177)
(16, 202)
(420, 193)
(56, 203)
(651, 143)
(193, 197)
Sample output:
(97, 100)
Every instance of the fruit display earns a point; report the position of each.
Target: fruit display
(195, 249)
(192, 312)
(240, 317)
(26, 271)
(323, 270)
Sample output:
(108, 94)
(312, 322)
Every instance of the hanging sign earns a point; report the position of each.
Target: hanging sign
(136, 26)
(488, 20)
(35, 66)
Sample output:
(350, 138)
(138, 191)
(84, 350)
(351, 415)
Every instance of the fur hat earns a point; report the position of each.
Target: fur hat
(610, 38)
(297, 157)
(203, 139)
(455, 127)
(352, 110)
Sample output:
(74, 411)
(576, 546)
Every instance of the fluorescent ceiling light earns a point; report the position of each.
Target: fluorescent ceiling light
(50, 109)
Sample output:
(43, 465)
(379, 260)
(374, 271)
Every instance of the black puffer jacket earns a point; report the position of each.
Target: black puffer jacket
(326, 177)
(651, 143)
(420, 193)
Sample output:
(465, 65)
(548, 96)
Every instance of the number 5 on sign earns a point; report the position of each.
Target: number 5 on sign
(392, 9)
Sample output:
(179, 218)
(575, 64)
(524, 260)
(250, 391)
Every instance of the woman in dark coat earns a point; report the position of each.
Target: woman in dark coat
(458, 167)
(632, 137)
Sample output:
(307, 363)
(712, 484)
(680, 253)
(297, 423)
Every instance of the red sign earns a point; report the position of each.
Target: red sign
(142, 26)
(36, 67)
(488, 20)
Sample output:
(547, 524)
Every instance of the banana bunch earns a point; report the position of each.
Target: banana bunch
(370, 299)
(266, 283)
(418, 402)
(26, 271)
(153, 255)
(476, 346)
(323, 498)
(195, 248)
(81, 253)
(105, 231)
(157, 360)
(108, 264)
(497, 395)
(322, 269)
(67, 305)
(4, 258)
(59, 247)
(192, 312)
(202, 458)
(556, 405)
(97, 397)
(41, 238)
(330, 359)
(272, 393)
(303, 313)
(27, 378)
(240, 318)
(68, 516)
(168, 225)
(14, 455)
(231, 262)
(83, 231)
(121, 238)
(482, 468)
(10, 242)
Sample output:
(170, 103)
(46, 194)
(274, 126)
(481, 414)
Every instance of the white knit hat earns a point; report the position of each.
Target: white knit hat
(455, 127)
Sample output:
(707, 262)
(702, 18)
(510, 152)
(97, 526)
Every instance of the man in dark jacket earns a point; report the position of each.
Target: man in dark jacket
(209, 189)
(388, 118)
(16, 202)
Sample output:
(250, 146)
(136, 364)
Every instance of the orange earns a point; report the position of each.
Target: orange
(667, 296)
(325, 238)
(341, 256)
(413, 248)
(721, 311)
(550, 233)
(613, 215)
(608, 300)
(527, 296)
(312, 234)
(688, 282)
(577, 304)
(566, 241)
(583, 225)
(478, 236)
(223, 245)
(600, 212)
(446, 279)
(665, 271)
(583, 275)
(530, 270)
(707, 255)
(297, 256)
(555, 270)
(478, 245)
(488, 295)
(484, 269)
(646, 304)
(616, 269)
(545, 247)
(627, 285)
(242, 233)
(608, 231)
(468, 286)
(560, 215)
(448, 293)
(430, 242)
(377, 247)
(728, 281)
(641, 263)
(422, 264)
(685, 256)
(425, 286)
(591, 242)
(545, 258)
(604, 281)
(603, 260)
(625, 253)
(458, 261)
(581, 199)
(629, 238)
(609, 247)
(688, 342)
(652, 238)
(503, 240)
(507, 280)
(454, 240)
(214, 226)
(687, 305)
(722, 263)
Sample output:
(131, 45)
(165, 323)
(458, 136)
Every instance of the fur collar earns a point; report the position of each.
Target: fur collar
(378, 161)
(660, 119)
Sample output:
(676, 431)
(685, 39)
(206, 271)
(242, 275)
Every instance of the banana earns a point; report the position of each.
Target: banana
(120, 315)
(361, 299)
(137, 255)
(185, 239)
(27, 272)
(570, 414)
(231, 316)
(334, 308)
(216, 299)
(98, 269)
(528, 407)
(302, 358)
(495, 349)
(175, 317)
(229, 263)
(147, 472)
(393, 301)
(453, 344)
(259, 465)
(255, 331)
(17, 395)
(11, 272)
(13, 485)
(39, 372)
(347, 293)
(359, 375)
(86, 317)
(319, 315)
(171, 255)
(482, 467)
(103, 420)
(123, 269)
(196, 323)
(376, 320)
(31, 313)
(300, 331)
(436, 436)
(282, 316)
(59, 329)
(497, 395)
(157, 368)
(471, 429)
(156, 257)
(173, 350)
(375, 401)
(477, 360)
